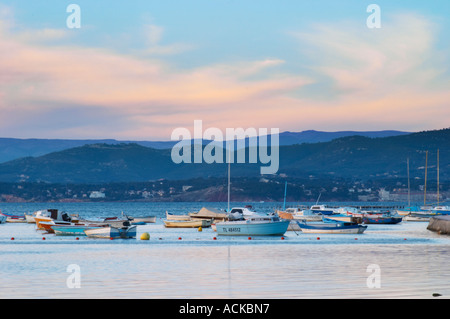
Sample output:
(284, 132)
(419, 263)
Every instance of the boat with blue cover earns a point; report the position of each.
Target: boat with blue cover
(332, 228)
(381, 219)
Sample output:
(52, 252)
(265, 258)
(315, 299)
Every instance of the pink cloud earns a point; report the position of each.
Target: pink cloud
(379, 81)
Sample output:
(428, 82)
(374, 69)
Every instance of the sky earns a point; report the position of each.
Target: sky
(138, 69)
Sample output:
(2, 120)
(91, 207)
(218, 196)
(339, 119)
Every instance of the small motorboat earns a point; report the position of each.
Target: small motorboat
(125, 232)
(332, 228)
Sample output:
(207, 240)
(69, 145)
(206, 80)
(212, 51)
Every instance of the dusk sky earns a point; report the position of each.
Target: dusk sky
(139, 69)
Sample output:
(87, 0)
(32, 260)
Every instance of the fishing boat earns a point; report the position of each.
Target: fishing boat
(322, 209)
(170, 216)
(192, 223)
(332, 228)
(254, 226)
(112, 232)
(74, 229)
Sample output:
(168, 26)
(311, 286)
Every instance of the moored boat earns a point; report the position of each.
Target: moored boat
(383, 219)
(125, 232)
(73, 230)
(193, 223)
(299, 213)
(209, 213)
(258, 225)
(332, 228)
(144, 219)
(322, 209)
(170, 216)
(11, 218)
(47, 225)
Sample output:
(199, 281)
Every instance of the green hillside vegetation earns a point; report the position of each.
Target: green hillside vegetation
(348, 157)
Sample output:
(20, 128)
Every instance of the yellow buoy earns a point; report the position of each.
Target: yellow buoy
(200, 228)
(145, 236)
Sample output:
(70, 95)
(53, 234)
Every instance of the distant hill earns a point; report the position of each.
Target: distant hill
(14, 148)
(356, 157)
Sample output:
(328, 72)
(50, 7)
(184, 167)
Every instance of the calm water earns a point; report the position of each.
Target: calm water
(413, 261)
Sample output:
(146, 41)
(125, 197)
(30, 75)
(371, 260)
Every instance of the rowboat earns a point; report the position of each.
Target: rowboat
(384, 219)
(332, 228)
(112, 232)
(170, 216)
(193, 223)
(10, 218)
(258, 225)
(73, 230)
(144, 219)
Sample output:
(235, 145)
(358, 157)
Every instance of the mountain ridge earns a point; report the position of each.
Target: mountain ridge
(346, 157)
(14, 148)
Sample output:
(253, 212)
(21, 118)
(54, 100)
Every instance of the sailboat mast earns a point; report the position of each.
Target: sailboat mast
(409, 185)
(229, 164)
(438, 177)
(425, 186)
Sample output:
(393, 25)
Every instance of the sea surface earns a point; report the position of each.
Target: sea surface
(401, 261)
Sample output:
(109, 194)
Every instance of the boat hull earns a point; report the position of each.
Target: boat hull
(382, 220)
(111, 232)
(243, 228)
(71, 230)
(187, 223)
(332, 228)
(146, 219)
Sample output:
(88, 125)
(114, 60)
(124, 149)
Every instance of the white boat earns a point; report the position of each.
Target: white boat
(322, 209)
(144, 219)
(112, 232)
(256, 225)
(299, 213)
